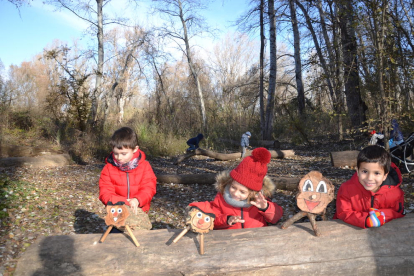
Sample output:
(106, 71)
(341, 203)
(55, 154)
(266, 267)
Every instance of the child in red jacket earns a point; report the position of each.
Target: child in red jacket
(241, 199)
(373, 195)
(127, 176)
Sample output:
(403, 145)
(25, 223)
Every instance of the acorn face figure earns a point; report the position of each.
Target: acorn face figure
(315, 193)
(116, 214)
(199, 221)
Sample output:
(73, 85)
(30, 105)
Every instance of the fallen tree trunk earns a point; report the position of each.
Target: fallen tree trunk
(52, 160)
(344, 158)
(275, 144)
(204, 178)
(341, 249)
(231, 156)
(282, 183)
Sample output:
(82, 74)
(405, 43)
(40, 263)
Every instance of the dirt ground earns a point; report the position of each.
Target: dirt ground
(64, 200)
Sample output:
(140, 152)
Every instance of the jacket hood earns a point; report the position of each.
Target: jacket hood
(139, 154)
(248, 133)
(223, 178)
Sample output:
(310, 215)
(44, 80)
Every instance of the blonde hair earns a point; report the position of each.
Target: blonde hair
(250, 197)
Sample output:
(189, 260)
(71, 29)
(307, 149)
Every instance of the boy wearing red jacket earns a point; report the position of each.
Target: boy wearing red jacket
(127, 176)
(372, 197)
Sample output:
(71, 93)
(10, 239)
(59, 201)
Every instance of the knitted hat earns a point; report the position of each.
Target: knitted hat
(252, 169)
(204, 207)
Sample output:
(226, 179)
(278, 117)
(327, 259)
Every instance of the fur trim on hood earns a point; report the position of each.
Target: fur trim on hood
(223, 178)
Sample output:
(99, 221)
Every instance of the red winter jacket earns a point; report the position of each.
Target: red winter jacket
(353, 201)
(116, 185)
(252, 216)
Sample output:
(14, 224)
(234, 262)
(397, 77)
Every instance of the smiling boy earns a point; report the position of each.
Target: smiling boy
(372, 197)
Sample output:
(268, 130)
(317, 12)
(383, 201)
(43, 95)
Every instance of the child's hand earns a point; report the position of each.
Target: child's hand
(376, 218)
(134, 203)
(260, 201)
(235, 219)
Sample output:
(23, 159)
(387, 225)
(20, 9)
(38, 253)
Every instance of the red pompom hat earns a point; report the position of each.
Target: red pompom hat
(252, 169)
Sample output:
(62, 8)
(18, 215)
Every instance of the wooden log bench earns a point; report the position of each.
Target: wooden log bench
(341, 250)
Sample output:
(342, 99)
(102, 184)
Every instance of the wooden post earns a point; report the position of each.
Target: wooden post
(132, 235)
(106, 233)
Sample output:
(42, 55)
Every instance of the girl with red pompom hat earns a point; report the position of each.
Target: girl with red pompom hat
(242, 198)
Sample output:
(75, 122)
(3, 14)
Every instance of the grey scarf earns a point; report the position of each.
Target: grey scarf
(233, 202)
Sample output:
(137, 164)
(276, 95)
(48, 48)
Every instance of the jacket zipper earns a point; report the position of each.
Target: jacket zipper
(242, 217)
(372, 201)
(127, 175)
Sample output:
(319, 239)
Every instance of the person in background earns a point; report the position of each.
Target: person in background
(377, 137)
(396, 136)
(193, 143)
(244, 143)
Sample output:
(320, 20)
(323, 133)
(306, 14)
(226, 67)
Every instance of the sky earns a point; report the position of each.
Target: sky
(25, 32)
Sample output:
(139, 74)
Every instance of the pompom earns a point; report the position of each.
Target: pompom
(261, 155)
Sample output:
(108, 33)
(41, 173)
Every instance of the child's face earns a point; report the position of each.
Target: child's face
(371, 176)
(238, 191)
(124, 155)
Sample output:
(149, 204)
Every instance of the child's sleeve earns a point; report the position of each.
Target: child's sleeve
(148, 186)
(220, 221)
(107, 189)
(273, 213)
(397, 209)
(345, 211)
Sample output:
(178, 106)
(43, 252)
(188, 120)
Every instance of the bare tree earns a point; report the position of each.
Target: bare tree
(270, 106)
(298, 62)
(356, 106)
(95, 17)
(185, 11)
(73, 85)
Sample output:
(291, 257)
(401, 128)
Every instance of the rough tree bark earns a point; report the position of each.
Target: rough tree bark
(356, 106)
(298, 62)
(270, 106)
(342, 249)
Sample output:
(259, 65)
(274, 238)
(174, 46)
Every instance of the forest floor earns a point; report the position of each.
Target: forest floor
(64, 200)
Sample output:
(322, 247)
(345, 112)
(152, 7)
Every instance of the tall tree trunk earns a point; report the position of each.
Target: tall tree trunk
(322, 60)
(261, 88)
(339, 73)
(298, 62)
(99, 71)
(270, 106)
(356, 107)
(379, 24)
(193, 70)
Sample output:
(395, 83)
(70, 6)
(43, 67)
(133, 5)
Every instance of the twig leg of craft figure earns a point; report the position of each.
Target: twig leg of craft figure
(185, 230)
(201, 244)
(290, 221)
(132, 235)
(313, 223)
(106, 233)
(323, 215)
